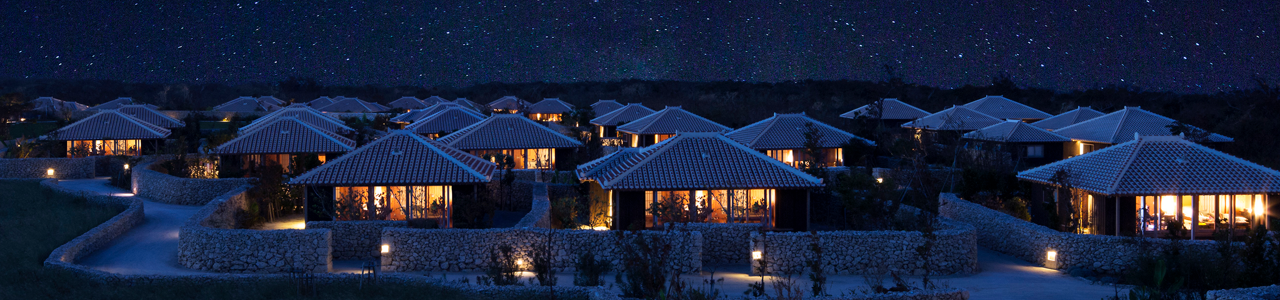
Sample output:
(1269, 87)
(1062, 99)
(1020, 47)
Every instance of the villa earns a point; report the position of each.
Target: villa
(782, 137)
(278, 142)
(110, 132)
(605, 106)
(54, 107)
(1075, 116)
(417, 114)
(607, 124)
(1121, 126)
(700, 177)
(1146, 184)
(400, 176)
(890, 111)
(308, 115)
(408, 103)
(509, 105)
(957, 119)
(245, 104)
(1025, 143)
(443, 122)
(665, 123)
(354, 105)
(1006, 109)
(548, 110)
(114, 104)
(531, 145)
(152, 116)
(321, 101)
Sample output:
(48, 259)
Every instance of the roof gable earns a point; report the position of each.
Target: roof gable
(51, 105)
(605, 106)
(1121, 126)
(509, 103)
(507, 131)
(1014, 131)
(304, 114)
(354, 105)
(892, 110)
(694, 161)
(433, 100)
(786, 131)
(113, 104)
(1080, 114)
(408, 103)
(271, 100)
(550, 106)
(1160, 165)
(1005, 108)
(243, 104)
(152, 116)
(626, 114)
(954, 118)
(321, 101)
(671, 120)
(286, 135)
(109, 124)
(401, 158)
(448, 120)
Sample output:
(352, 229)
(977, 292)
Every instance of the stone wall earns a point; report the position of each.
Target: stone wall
(161, 187)
(356, 239)
(469, 249)
(63, 168)
(539, 215)
(66, 255)
(935, 294)
(1103, 254)
(954, 251)
(723, 243)
(209, 241)
(1254, 293)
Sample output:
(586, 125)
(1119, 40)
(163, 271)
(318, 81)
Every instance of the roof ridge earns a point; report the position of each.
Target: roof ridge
(646, 157)
(448, 156)
(1128, 164)
(138, 122)
(772, 121)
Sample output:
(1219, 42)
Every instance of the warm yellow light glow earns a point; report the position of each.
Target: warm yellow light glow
(756, 255)
(1169, 205)
(49, 172)
(22, 119)
(386, 248)
(1052, 255)
(1079, 148)
(520, 262)
(879, 180)
(600, 228)
(226, 119)
(1186, 211)
(787, 156)
(1258, 209)
(126, 166)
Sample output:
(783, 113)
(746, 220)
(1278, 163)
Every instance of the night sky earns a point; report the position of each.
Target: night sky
(1181, 46)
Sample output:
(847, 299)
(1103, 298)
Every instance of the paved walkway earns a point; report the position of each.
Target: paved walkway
(149, 248)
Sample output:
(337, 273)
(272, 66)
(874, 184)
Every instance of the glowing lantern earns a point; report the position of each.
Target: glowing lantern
(49, 172)
(756, 255)
(386, 248)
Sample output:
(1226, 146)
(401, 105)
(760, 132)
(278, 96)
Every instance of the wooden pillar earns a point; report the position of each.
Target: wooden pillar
(1195, 215)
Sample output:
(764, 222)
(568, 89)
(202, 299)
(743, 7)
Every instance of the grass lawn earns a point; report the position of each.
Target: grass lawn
(31, 130)
(34, 221)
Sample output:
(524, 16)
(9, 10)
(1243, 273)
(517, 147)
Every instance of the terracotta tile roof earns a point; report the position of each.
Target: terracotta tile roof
(408, 103)
(244, 104)
(53, 106)
(468, 104)
(113, 104)
(401, 158)
(152, 116)
(109, 124)
(1004, 108)
(892, 110)
(1160, 165)
(354, 105)
(786, 131)
(304, 114)
(1080, 114)
(286, 135)
(1014, 131)
(448, 120)
(272, 100)
(605, 106)
(954, 118)
(550, 106)
(509, 103)
(670, 120)
(415, 115)
(322, 101)
(1120, 126)
(626, 114)
(696, 160)
(507, 131)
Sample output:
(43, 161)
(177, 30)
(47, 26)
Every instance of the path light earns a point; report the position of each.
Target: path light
(756, 255)
(879, 180)
(1051, 259)
(126, 166)
(386, 248)
(49, 172)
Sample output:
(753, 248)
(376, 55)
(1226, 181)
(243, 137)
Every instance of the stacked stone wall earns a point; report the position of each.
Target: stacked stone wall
(160, 187)
(1254, 293)
(36, 168)
(356, 240)
(723, 243)
(954, 251)
(470, 249)
(210, 241)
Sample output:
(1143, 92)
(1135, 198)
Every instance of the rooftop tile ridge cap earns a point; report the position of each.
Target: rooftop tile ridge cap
(464, 131)
(452, 159)
(1128, 164)
(771, 122)
(646, 154)
(771, 160)
(141, 123)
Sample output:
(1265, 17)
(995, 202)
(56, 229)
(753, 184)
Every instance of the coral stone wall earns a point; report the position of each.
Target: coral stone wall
(99, 236)
(160, 187)
(469, 249)
(1102, 254)
(63, 168)
(1254, 293)
(954, 251)
(210, 242)
(356, 239)
(723, 243)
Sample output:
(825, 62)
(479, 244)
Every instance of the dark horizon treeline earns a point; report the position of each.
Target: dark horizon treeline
(1246, 115)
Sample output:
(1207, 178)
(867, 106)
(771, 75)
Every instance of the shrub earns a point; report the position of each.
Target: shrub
(502, 267)
(589, 269)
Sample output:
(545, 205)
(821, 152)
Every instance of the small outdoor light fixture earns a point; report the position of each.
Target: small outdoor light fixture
(1051, 259)
(126, 166)
(879, 180)
(756, 255)
(49, 172)
(386, 248)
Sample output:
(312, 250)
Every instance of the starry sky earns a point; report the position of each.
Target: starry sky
(1179, 46)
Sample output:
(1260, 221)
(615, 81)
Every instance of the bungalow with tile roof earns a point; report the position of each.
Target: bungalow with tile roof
(305, 114)
(278, 142)
(245, 104)
(548, 110)
(470, 104)
(110, 132)
(433, 100)
(319, 102)
(699, 177)
(54, 107)
(1006, 109)
(272, 100)
(1080, 114)
(1121, 126)
(444, 122)
(890, 111)
(531, 145)
(1028, 145)
(400, 176)
(509, 105)
(408, 103)
(957, 119)
(605, 106)
(354, 105)
(665, 123)
(1149, 184)
(151, 116)
(114, 104)
(417, 114)
(783, 137)
(607, 124)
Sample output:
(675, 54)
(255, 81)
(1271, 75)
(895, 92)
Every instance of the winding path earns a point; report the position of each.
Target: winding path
(149, 248)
